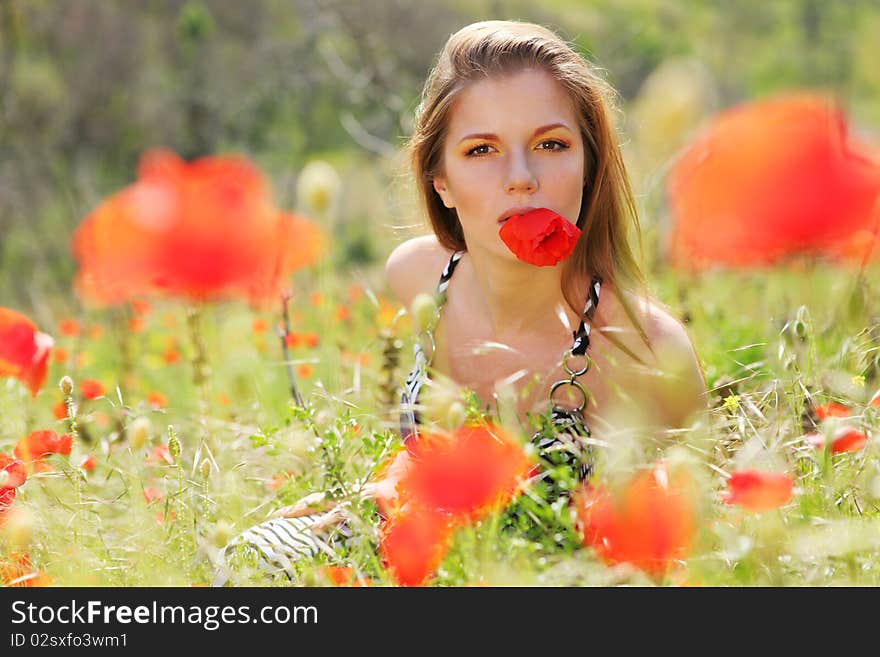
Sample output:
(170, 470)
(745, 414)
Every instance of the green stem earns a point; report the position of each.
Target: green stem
(201, 370)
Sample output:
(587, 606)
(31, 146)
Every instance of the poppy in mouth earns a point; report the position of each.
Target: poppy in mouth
(539, 237)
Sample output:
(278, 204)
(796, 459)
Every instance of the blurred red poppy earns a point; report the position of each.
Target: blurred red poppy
(161, 454)
(343, 576)
(771, 179)
(844, 439)
(152, 494)
(466, 473)
(88, 463)
(141, 307)
(16, 570)
(68, 327)
(7, 497)
(39, 444)
(15, 471)
(156, 399)
(651, 523)
(414, 542)
(832, 409)
(540, 237)
(202, 230)
(24, 351)
(758, 491)
(91, 389)
(59, 410)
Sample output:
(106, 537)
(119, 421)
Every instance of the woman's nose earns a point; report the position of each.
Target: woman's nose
(520, 177)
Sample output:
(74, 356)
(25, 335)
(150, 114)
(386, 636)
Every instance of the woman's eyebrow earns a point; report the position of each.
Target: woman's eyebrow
(489, 136)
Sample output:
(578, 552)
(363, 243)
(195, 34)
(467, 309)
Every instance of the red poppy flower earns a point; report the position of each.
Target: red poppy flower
(59, 410)
(650, 523)
(68, 327)
(136, 324)
(203, 230)
(39, 444)
(7, 497)
(832, 409)
(91, 389)
(24, 351)
(152, 494)
(414, 542)
(758, 491)
(343, 576)
(16, 570)
(845, 439)
(15, 470)
(771, 179)
(540, 237)
(466, 473)
(161, 454)
(157, 399)
(88, 463)
(141, 307)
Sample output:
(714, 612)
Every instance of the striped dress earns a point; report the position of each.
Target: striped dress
(277, 544)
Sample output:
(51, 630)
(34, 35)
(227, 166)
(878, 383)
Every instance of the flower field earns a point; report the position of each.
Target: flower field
(197, 341)
(178, 429)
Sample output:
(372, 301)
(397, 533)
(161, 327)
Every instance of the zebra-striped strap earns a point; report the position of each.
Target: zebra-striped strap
(582, 335)
(409, 416)
(278, 544)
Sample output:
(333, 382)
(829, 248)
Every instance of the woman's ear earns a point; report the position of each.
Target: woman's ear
(441, 188)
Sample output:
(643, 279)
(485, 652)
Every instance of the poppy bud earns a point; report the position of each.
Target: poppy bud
(439, 397)
(173, 443)
(455, 415)
(318, 186)
(139, 431)
(222, 534)
(66, 385)
(424, 312)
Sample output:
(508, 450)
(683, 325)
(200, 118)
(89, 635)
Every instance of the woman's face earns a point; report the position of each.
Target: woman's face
(513, 144)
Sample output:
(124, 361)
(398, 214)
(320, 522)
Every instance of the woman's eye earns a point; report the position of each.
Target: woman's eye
(482, 149)
(553, 145)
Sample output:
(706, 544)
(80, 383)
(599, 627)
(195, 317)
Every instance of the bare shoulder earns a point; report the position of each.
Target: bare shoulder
(414, 266)
(674, 379)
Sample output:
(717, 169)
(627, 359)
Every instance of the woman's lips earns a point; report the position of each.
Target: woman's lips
(512, 212)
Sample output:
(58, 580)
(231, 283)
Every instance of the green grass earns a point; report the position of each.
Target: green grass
(768, 341)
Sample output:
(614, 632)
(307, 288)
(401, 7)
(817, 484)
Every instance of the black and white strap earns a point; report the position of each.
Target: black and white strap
(409, 416)
(277, 545)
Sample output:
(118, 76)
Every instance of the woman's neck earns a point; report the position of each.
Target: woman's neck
(516, 298)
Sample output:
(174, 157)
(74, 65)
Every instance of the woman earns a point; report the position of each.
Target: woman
(514, 125)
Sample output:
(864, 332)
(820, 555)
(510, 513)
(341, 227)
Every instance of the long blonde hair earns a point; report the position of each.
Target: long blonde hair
(492, 48)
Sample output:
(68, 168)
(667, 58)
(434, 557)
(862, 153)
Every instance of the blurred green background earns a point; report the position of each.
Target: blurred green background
(88, 85)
